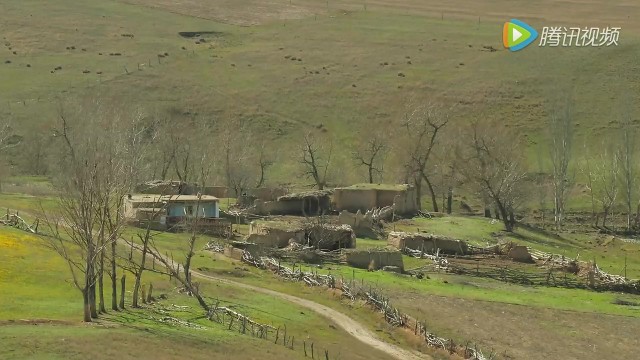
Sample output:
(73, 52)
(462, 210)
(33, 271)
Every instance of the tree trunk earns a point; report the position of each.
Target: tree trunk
(449, 199)
(487, 212)
(371, 173)
(122, 290)
(418, 183)
(433, 193)
(114, 279)
(101, 307)
(87, 306)
(92, 301)
(136, 289)
(508, 226)
(150, 294)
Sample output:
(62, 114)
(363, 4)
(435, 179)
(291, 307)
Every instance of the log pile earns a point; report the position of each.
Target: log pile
(16, 221)
(441, 263)
(239, 322)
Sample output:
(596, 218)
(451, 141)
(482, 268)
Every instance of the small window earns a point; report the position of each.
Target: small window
(188, 210)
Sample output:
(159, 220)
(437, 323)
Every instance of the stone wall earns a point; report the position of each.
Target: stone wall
(428, 243)
(378, 258)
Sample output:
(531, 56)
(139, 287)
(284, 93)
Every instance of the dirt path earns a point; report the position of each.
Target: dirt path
(351, 326)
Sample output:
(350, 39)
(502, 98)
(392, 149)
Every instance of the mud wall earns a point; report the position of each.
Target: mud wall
(427, 243)
(378, 258)
(353, 200)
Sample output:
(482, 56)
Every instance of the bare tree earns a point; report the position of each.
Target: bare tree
(542, 188)
(561, 134)
(265, 161)
(316, 160)
(627, 157)
(605, 175)
(588, 170)
(422, 125)
(8, 137)
(494, 166)
(130, 262)
(96, 162)
(370, 154)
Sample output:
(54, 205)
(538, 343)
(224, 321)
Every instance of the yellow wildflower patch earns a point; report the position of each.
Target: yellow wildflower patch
(8, 242)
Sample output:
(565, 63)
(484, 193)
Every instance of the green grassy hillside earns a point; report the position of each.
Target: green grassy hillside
(345, 76)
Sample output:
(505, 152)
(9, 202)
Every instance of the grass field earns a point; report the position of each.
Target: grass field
(496, 315)
(37, 290)
(242, 72)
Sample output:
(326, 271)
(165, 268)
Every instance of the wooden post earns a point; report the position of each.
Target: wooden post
(326, 354)
(312, 355)
(284, 340)
(149, 295)
(144, 293)
(123, 286)
(277, 334)
(304, 345)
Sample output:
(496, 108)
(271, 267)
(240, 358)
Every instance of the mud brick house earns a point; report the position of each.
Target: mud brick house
(365, 197)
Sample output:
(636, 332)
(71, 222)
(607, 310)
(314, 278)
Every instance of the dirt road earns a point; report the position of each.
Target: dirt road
(351, 326)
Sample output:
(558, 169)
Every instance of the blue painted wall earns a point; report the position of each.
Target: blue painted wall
(205, 209)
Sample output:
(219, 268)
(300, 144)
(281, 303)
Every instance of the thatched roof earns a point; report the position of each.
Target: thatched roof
(314, 194)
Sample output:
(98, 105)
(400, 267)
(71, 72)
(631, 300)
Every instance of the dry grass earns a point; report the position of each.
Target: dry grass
(521, 332)
(253, 12)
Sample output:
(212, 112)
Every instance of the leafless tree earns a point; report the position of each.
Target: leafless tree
(605, 174)
(561, 134)
(96, 161)
(265, 161)
(423, 125)
(370, 153)
(542, 187)
(494, 166)
(627, 156)
(588, 170)
(316, 160)
(8, 138)
(130, 261)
